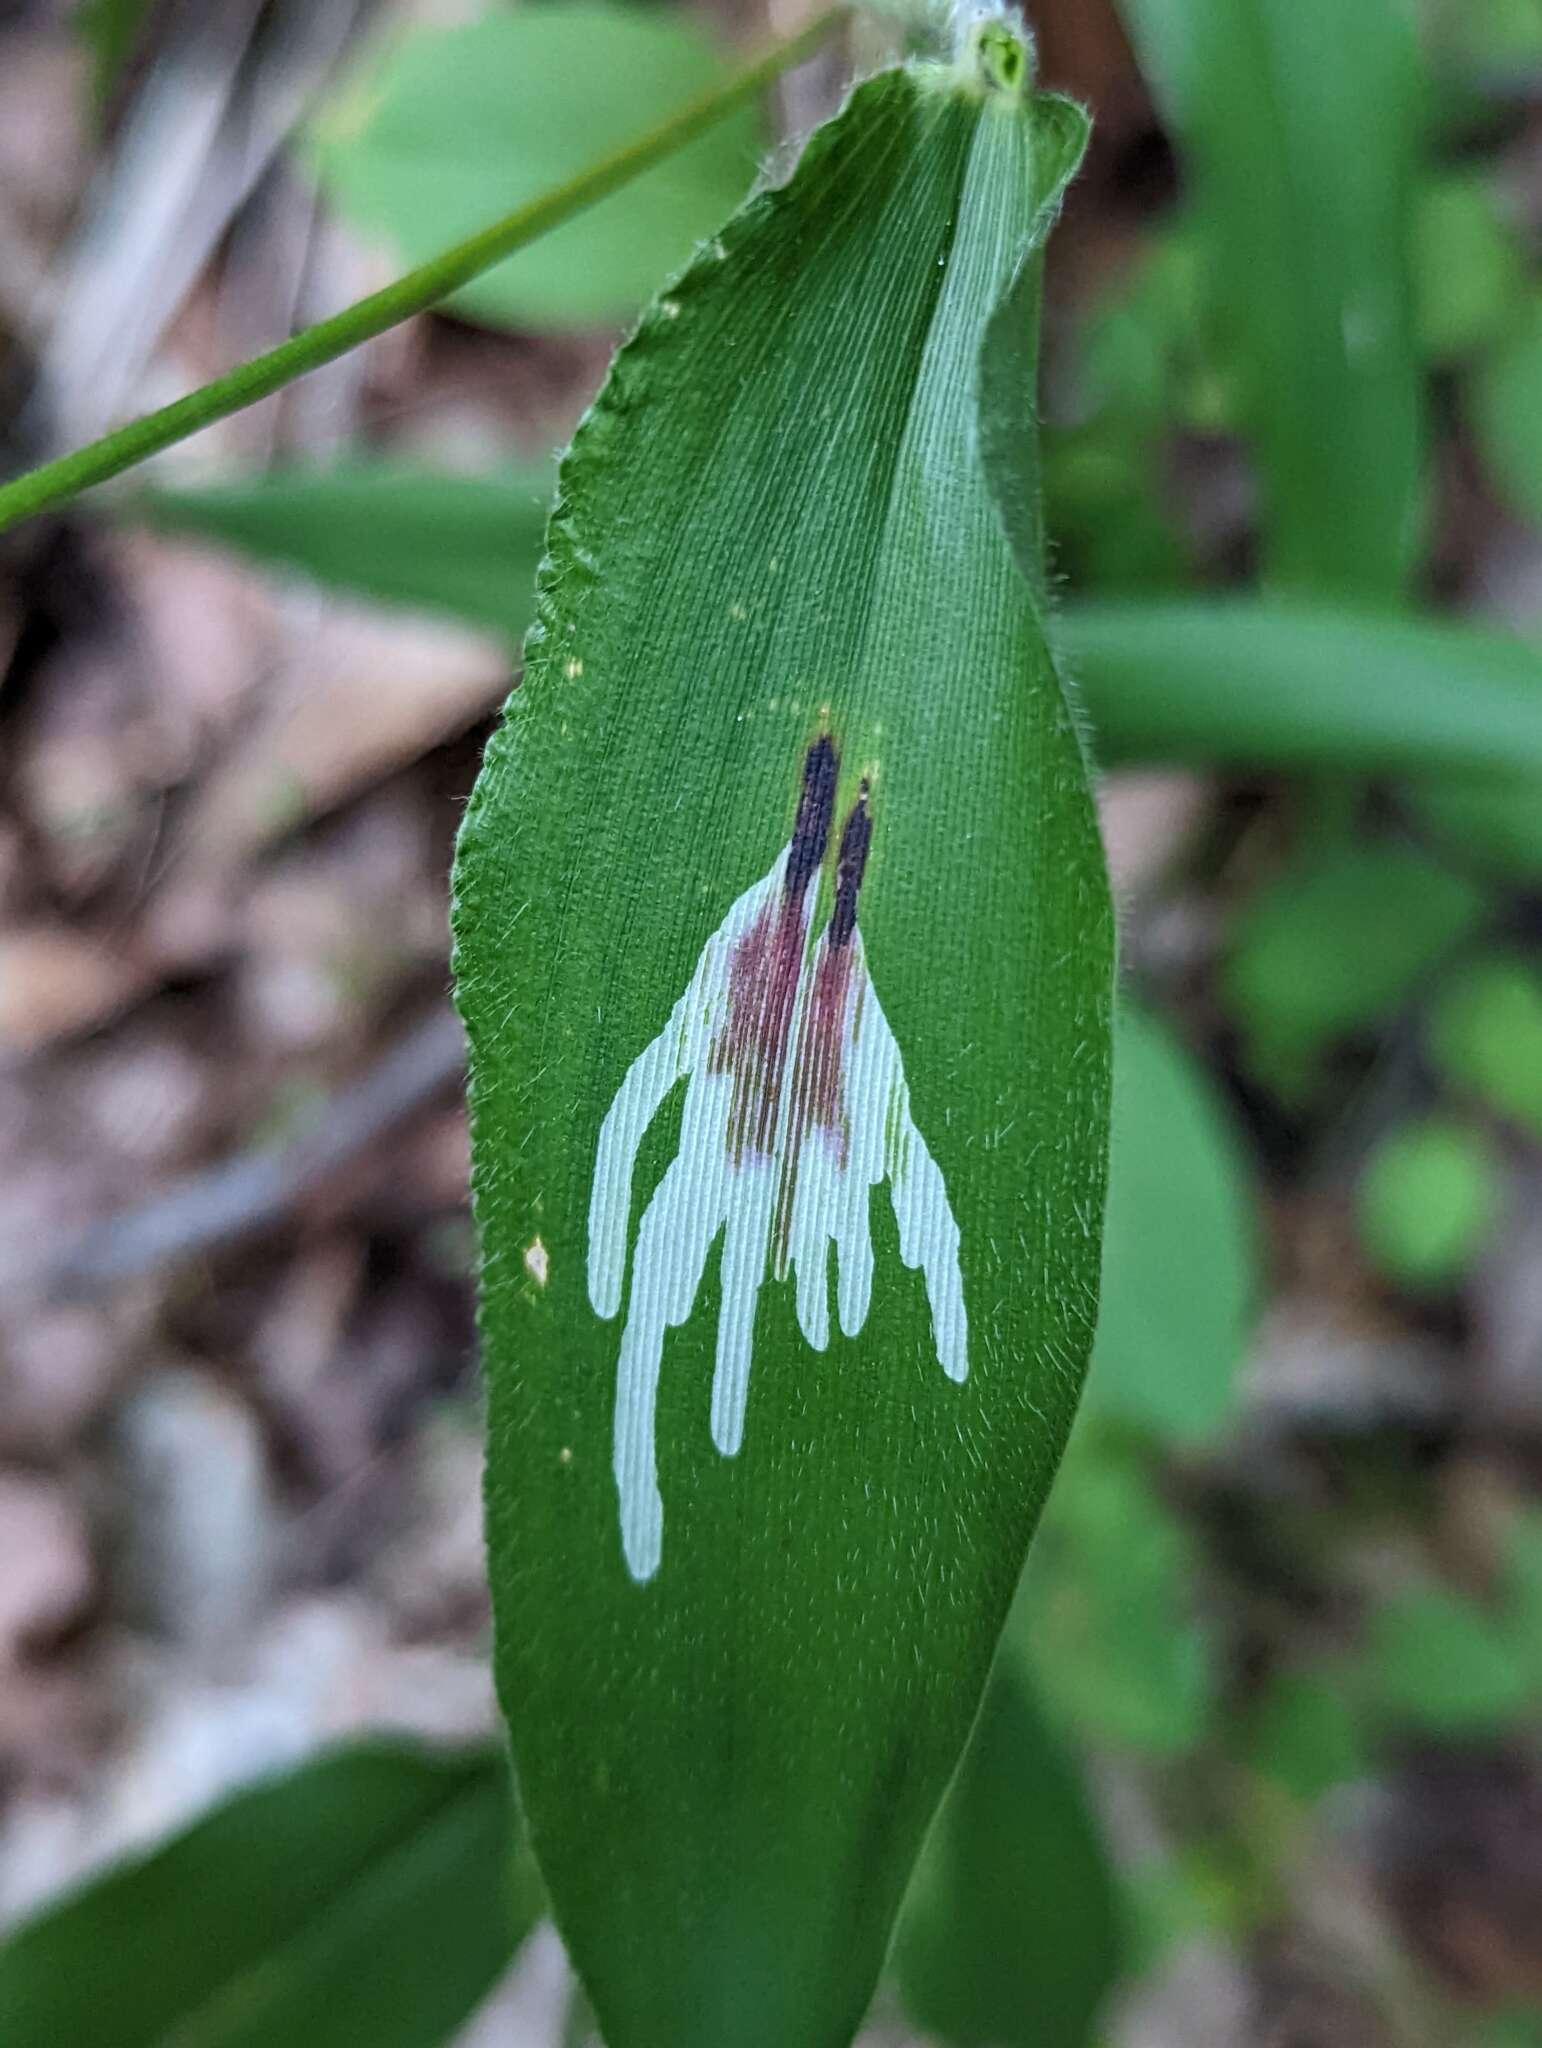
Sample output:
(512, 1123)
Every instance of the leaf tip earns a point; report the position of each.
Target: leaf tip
(995, 52)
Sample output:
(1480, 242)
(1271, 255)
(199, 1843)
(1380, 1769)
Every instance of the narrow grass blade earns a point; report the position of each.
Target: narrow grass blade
(468, 545)
(1299, 122)
(1244, 683)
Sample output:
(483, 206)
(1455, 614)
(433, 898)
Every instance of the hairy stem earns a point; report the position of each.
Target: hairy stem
(55, 482)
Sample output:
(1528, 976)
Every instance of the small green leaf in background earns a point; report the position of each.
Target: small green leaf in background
(1506, 399)
(1189, 1895)
(1428, 1199)
(1305, 1735)
(1485, 36)
(1108, 1609)
(1144, 359)
(1518, 2029)
(1469, 270)
(388, 529)
(1298, 122)
(1492, 827)
(1138, 343)
(781, 920)
(452, 125)
(1011, 1935)
(1137, 368)
(1103, 490)
(367, 1900)
(1439, 1663)
(1486, 1036)
(1179, 1245)
(1295, 686)
(1335, 945)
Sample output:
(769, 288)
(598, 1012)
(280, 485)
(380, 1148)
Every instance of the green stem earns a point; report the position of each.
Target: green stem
(57, 481)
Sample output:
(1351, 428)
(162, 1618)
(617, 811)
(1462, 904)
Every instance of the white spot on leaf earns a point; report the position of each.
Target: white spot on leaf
(796, 1106)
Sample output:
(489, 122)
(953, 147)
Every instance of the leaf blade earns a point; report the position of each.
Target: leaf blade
(466, 545)
(1301, 123)
(1180, 1245)
(772, 541)
(1012, 1934)
(259, 1918)
(1241, 682)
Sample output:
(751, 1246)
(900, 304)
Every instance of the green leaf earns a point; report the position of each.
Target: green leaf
(451, 124)
(1145, 359)
(1293, 686)
(1507, 412)
(1335, 945)
(1305, 1735)
(1457, 710)
(411, 536)
(1188, 1896)
(1232, 682)
(1486, 1036)
(1134, 364)
(1521, 2028)
(1107, 1615)
(1112, 531)
(1428, 1199)
(1469, 271)
(1492, 829)
(1438, 1662)
(1179, 1250)
(1299, 124)
(789, 819)
(368, 1897)
(1488, 38)
(1489, 826)
(1011, 1935)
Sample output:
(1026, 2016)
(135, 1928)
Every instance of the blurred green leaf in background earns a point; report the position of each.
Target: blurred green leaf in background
(1108, 1613)
(112, 28)
(388, 529)
(1335, 944)
(453, 125)
(1238, 683)
(1224, 682)
(1507, 411)
(1428, 1200)
(367, 1900)
(1012, 1934)
(1305, 1734)
(1486, 1037)
(1180, 1262)
(1299, 123)
(1469, 267)
(1449, 1665)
